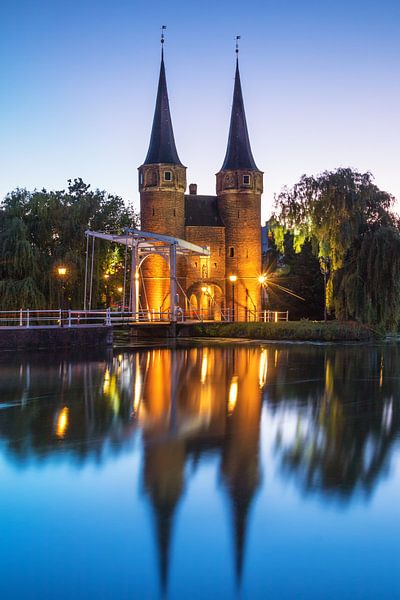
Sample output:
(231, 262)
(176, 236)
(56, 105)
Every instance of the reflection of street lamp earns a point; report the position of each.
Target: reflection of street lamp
(233, 279)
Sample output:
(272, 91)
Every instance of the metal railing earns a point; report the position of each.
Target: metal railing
(273, 316)
(75, 318)
(53, 318)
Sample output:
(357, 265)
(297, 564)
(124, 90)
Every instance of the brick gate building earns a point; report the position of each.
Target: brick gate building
(229, 224)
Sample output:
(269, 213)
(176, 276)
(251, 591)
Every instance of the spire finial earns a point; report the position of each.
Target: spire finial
(163, 28)
(237, 45)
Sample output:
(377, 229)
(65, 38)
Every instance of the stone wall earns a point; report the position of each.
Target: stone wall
(38, 338)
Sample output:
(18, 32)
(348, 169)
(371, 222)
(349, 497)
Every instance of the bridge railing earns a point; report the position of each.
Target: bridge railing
(74, 318)
(53, 318)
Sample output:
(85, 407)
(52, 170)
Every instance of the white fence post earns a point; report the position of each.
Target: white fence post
(21, 317)
(60, 316)
(69, 318)
(27, 317)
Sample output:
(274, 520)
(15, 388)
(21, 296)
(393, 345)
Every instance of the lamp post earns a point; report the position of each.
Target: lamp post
(262, 280)
(233, 280)
(61, 273)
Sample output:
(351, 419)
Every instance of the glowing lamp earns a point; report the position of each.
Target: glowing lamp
(232, 278)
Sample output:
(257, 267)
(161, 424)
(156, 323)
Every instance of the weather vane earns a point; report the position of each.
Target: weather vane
(163, 28)
(237, 44)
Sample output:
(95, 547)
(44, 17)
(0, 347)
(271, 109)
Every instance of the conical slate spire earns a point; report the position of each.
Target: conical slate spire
(162, 147)
(238, 154)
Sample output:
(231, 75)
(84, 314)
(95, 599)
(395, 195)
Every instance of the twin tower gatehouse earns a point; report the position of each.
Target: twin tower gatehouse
(228, 224)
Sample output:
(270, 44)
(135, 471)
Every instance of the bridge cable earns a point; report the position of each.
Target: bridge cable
(91, 276)
(86, 272)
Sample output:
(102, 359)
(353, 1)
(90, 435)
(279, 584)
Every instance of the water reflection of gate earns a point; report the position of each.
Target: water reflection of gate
(334, 430)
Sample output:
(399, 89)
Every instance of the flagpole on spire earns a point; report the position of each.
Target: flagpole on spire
(237, 45)
(163, 28)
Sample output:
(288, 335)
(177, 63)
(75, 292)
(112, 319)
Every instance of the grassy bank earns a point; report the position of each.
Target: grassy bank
(332, 331)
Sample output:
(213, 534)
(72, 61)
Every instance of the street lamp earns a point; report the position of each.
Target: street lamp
(61, 274)
(262, 280)
(233, 280)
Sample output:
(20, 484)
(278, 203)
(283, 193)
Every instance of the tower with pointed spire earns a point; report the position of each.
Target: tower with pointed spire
(228, 224)
(162, 184)
(239, 189)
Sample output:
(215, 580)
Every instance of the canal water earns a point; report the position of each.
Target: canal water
(219, 471)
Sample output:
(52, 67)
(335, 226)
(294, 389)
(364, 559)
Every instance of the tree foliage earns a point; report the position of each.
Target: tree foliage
(300, 274)
(348, 221)
(40, 230)
(367, 289)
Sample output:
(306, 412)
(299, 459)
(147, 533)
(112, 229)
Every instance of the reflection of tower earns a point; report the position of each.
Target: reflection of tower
(164, 453)
(240, 466)
(163, 474)
(162, 183)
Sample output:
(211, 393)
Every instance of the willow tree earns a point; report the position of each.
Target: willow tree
(336, 211)
(367, 289)
(19, 258)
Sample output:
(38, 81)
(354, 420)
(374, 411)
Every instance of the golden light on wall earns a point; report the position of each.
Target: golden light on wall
(233, 394)
(62, 422)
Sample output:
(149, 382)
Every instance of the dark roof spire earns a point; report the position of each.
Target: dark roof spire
(162, 147)
(238, 153)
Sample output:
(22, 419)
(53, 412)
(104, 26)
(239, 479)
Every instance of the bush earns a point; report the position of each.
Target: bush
(332, 331)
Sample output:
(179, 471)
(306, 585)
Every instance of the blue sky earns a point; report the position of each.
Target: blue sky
(78, 83)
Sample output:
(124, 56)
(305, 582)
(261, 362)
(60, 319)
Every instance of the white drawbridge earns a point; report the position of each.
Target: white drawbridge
(141, 244)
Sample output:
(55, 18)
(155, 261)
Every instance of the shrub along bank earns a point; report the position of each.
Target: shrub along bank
(332, 331)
